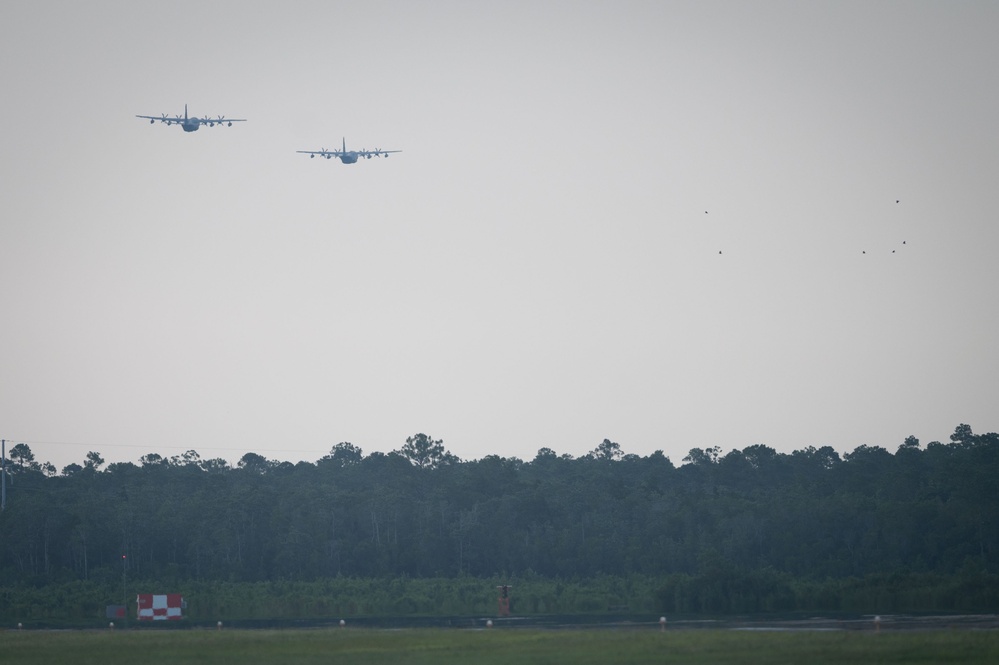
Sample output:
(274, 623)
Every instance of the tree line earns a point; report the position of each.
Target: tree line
(719, 527)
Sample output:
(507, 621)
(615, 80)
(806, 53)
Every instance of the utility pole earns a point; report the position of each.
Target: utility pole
(124, 588)
(3, 474)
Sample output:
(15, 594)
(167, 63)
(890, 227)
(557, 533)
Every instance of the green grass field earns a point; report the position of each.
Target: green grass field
(500, 646)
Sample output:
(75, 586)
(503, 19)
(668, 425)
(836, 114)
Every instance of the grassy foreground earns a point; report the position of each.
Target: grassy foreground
(486, 647)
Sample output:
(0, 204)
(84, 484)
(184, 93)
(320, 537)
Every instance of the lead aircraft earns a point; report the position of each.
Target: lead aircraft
(191, 124)
(348, 156)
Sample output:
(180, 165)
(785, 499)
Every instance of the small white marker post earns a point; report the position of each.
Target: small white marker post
(20, 625)
(218, 626)
(342, 623)
(877, 623)
(489, 623)
(662, 624)
(111, 625)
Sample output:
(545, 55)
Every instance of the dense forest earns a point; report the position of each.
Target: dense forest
(765, 527)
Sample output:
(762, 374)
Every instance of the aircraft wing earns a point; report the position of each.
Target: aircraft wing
(375, 153)
(162, 118)
(221, 120)
(171, 119)
(328, 154)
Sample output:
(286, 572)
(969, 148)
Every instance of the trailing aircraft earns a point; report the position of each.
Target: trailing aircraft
(348, 156)
(189, 124)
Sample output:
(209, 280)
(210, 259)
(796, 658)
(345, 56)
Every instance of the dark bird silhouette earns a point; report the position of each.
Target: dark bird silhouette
(903, 242)
(896, 200)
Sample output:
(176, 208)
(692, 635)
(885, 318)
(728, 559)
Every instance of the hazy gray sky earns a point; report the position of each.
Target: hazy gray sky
(642, 221)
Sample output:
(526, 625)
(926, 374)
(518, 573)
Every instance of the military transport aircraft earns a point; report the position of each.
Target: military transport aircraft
(348, 156)
(191, 124)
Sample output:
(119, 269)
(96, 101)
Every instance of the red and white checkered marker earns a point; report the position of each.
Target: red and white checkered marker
(159, 607)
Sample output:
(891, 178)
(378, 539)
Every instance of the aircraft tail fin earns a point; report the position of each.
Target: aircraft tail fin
(185, 111)
(345, 144)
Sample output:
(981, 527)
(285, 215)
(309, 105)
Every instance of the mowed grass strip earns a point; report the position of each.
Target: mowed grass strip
(494, 646)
